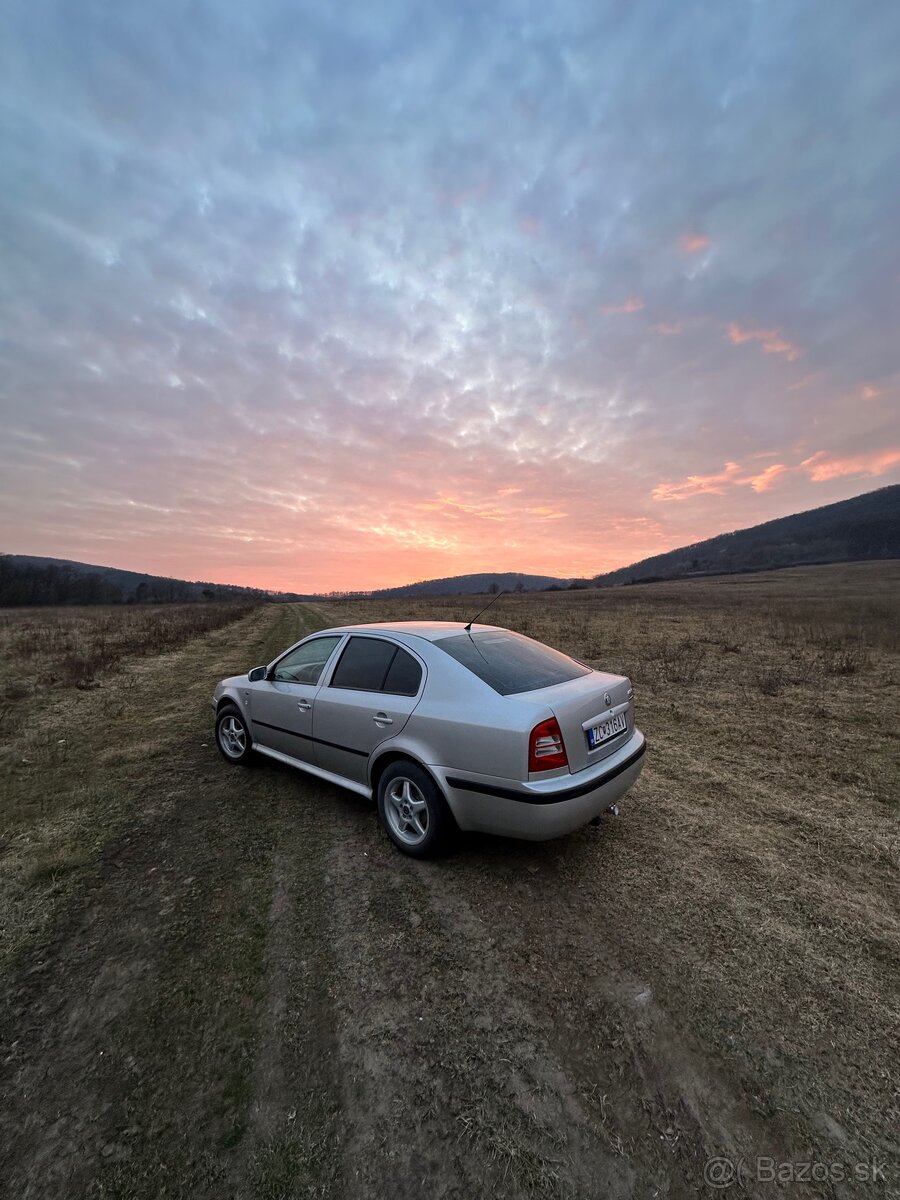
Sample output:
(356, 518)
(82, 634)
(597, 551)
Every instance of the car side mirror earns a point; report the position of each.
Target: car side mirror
(257, 673)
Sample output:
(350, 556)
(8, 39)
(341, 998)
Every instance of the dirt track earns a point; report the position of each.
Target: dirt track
(254, 995)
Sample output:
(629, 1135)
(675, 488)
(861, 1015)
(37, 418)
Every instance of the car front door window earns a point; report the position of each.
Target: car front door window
(305, 663)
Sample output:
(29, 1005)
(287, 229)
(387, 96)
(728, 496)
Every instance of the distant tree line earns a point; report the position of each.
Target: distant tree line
(24, 585)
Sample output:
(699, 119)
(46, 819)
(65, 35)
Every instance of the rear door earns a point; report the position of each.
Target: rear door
(368, 699)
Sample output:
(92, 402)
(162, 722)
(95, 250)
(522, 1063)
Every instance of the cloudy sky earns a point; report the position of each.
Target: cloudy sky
(345, 295)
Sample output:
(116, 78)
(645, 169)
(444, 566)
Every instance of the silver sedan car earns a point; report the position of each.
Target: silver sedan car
(447, 726)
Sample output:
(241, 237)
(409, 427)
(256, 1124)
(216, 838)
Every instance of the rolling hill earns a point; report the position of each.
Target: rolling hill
(467, 585)
(866, 526)
(29, 580)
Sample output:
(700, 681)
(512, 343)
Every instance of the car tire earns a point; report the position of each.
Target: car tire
(233, 736)
(413, 812)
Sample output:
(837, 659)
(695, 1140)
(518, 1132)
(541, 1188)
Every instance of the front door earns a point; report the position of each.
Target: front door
(281, 706)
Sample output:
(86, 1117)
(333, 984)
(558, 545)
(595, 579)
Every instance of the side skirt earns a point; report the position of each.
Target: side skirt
(328, 776)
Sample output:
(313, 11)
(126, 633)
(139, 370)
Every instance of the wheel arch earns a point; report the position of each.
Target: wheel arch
(227, 700)
(385, 759)
(391, 755)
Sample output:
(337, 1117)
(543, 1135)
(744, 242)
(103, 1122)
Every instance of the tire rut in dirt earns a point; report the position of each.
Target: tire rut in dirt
(448, 1077)
(129, 1060)
(547, 917)
(292, 1145)
(128, 1033)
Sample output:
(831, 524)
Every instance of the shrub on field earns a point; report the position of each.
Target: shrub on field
(846, 660)
(673, 660)
(79, 670)
(767, 677)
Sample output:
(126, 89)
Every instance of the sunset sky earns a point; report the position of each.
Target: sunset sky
(315, 296)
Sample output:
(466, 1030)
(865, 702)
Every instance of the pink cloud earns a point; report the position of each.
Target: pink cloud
(546, 513)
(771, 340)
(871, 393)
(631, 305)
(698, 485)
(530, 225)
(692, 243)
(765, 479)
(803, 383)
(668, 328)
(732, 475)
(451, 504)
(822, 466)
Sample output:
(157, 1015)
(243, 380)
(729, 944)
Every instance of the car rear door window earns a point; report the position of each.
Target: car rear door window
(372, 665)
(364, 664)
(510, 663)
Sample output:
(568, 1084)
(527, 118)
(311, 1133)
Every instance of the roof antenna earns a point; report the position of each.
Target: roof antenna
(484, 610)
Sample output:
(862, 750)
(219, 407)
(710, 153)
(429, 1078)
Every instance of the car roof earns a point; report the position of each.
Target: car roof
(430, 630)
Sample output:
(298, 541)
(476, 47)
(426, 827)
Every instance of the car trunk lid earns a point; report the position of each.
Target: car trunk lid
(598, 700)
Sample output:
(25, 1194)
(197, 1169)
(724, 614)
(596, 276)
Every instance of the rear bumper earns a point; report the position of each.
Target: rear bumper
(548, 809)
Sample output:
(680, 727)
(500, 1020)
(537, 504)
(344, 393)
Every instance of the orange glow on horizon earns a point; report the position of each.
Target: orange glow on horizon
(569, 534)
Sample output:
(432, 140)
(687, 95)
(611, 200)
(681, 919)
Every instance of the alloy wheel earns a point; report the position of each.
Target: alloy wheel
(232, 737)
(406, 811)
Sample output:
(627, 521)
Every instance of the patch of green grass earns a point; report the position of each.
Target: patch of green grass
(78, 762)
(52, 866)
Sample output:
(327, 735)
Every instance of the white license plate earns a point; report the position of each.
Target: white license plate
(598, 734)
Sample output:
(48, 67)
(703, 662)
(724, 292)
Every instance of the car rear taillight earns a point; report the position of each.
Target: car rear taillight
(546, 751)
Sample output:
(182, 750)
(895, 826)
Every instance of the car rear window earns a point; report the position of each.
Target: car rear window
(509, 663)
(373, 665)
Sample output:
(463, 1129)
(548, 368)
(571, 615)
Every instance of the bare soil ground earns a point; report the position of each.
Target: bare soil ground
(224, 983)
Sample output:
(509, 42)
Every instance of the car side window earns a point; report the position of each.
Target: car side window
(404, 675)
(306, 662)
(372, 665)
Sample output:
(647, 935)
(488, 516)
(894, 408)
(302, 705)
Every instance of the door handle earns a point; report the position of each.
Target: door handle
(383, 719)
(304, 705)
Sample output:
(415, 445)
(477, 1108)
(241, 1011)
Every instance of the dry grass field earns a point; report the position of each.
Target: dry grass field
(227, 983)
(70, 647)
